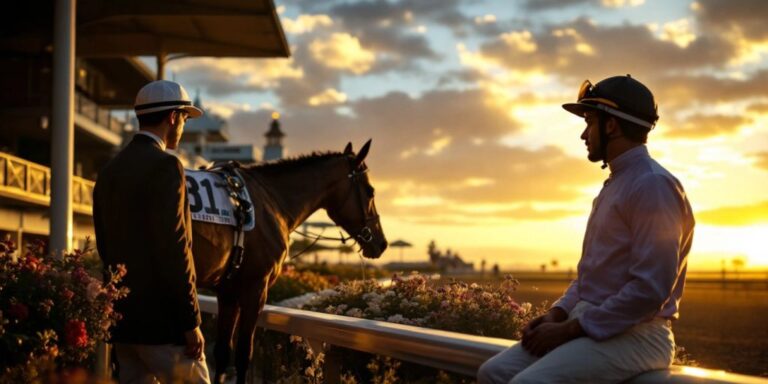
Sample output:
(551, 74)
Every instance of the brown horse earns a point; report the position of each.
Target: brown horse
(284, 193)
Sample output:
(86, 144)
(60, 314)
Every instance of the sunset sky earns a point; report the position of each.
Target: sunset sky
(462, 99)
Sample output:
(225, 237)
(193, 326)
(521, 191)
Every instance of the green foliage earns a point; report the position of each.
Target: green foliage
(53, 313)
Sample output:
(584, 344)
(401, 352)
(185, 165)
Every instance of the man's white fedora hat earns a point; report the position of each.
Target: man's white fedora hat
(163, 95)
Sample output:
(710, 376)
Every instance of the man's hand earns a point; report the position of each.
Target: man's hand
(195, 344)
(550, 335)
(554, 315)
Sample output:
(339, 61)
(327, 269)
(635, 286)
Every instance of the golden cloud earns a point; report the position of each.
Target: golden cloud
(701, 126)
(761, 160)
(521, 41)
(622, 3)
(306, 23)
(343, 51)
(328, 97)
(225, 75)
(735, 216)
(679, 32)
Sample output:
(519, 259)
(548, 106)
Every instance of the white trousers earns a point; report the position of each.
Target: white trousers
(644, 347)
(150, 364)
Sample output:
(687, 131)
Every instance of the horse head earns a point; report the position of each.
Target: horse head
(352, 205)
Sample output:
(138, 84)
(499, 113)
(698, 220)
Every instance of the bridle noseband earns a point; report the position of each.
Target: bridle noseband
(365, 234)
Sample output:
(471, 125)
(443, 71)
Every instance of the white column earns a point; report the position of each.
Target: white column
(63, 127)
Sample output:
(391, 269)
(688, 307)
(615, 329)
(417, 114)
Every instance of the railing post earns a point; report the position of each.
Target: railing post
(103, 368)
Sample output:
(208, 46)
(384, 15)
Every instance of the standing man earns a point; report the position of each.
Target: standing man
(614, 321)
(142, 220)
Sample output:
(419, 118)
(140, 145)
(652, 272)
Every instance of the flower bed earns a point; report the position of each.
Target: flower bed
(487, 310)
(53, 313)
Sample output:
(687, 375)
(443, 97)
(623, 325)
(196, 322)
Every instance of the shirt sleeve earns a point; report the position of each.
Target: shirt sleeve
(654, 212)
(174, 236)
(569, 299)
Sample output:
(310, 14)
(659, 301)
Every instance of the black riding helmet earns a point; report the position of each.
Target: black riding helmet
(620, 96)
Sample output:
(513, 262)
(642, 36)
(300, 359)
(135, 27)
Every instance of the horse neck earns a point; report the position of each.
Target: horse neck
(306, 188)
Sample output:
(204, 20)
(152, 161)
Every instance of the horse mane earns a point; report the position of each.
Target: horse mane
(286, 165)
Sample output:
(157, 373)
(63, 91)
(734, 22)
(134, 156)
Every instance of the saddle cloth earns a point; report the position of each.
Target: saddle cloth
(209, 199)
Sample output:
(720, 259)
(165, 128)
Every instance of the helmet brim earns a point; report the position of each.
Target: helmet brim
(579, 109)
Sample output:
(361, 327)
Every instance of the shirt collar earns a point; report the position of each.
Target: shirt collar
(626, 159)
(154, 137)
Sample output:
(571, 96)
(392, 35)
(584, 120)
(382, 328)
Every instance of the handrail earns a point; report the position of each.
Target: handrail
(449, 351)
(31, 182)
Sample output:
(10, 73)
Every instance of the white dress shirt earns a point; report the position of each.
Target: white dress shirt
(634, 255)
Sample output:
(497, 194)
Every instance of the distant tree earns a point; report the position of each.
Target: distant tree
(543, 267)
(554, 263)
(738, 263)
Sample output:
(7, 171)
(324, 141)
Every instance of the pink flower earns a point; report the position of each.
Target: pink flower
(121, 270)
(18, 311)
(93, 290)
(81, 275)
(75, 333)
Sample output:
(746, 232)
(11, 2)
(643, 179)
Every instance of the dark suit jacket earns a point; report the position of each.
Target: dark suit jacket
(142, 220)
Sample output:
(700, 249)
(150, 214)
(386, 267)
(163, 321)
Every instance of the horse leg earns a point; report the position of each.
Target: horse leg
(229, 311)
(251, 307)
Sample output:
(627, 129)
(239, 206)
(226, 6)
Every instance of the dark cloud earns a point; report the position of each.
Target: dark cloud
(382, 25)
(470, 168)
(701, 126)
(684, 89)
(615, 50)
(735, 216)
(746, 16)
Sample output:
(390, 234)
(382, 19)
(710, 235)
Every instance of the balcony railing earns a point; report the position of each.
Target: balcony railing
(99, 115)
(29, 182)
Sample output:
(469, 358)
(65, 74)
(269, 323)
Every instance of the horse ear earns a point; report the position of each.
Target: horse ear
(363, 153)
(348, 149)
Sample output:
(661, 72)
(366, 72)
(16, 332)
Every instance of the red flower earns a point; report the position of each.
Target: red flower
(75, 333)
(31, 262)
(19, 311)
(67, 294)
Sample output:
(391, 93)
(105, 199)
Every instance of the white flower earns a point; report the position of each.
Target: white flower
(398, 318)
(525, 307)
(355, 312)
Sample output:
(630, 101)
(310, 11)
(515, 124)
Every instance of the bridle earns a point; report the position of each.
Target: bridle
(365, 234)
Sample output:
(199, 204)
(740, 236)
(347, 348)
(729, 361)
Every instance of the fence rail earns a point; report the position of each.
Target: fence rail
(31, 182)
(450, 351)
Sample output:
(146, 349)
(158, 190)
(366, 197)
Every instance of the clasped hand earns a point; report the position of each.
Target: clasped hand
(550, 331)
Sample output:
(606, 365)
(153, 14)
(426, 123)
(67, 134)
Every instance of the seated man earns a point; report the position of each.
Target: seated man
(614, 320)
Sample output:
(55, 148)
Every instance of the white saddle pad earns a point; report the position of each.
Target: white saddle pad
(209, 199)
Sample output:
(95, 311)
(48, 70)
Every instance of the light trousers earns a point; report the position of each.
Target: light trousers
(644, 347)
(150, 364)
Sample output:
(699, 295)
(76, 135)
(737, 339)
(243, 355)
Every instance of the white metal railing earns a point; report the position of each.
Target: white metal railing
(449, 351)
